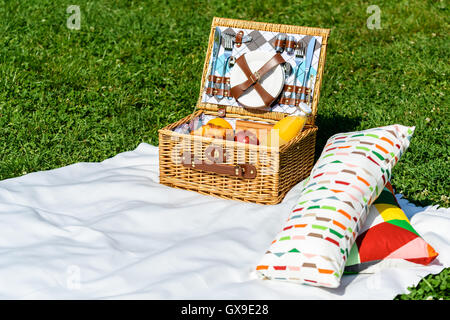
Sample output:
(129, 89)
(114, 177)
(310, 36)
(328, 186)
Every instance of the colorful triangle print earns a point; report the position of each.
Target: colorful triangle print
(387, 235)
(410, 250)
(379, 241)
(403, 224)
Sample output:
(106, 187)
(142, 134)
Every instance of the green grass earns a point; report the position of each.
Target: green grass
(85, 95)
(432, 287)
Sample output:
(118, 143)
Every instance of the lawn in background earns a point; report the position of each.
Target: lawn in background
(68, 96)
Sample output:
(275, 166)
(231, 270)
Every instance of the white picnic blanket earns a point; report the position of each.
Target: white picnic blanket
(109, 230)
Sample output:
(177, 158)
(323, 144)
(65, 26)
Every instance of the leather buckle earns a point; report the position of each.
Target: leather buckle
(222, 111)
(255, 76)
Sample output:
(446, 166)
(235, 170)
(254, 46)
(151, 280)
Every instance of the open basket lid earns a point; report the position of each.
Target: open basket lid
(256, 39)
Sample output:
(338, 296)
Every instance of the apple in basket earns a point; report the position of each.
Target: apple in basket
(246, 136)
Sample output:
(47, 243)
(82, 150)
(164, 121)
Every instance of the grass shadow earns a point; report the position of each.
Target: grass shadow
(418, 203)
(331, 124)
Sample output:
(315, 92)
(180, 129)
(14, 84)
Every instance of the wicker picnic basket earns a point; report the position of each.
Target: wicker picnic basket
(251, 173)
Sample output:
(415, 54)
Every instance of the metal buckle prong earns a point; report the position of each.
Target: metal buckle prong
(256, 76)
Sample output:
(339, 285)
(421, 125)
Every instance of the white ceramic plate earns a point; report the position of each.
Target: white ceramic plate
(272, 82)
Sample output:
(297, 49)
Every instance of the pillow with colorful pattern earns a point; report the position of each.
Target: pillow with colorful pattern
(315, 241)
(387, 239)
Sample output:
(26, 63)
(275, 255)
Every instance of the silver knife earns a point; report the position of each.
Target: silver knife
(308, 61)
(216, 47)
(228, 45)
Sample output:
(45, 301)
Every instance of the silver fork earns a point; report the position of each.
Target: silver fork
(299, 57)
(228, 45)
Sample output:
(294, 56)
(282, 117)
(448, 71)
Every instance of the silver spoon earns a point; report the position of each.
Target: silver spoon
(287, 73)
(287, 70)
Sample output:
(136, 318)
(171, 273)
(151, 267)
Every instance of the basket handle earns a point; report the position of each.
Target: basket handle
(243, 170)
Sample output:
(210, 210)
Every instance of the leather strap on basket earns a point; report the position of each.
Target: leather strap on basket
(215, 156)
(219, 92)
(238, 41)
(243, 171)
(253, 78)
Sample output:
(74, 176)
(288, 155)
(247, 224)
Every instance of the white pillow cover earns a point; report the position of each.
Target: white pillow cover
(316, 239)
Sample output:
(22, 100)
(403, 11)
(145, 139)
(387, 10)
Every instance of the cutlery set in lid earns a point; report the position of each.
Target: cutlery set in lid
(291, 93)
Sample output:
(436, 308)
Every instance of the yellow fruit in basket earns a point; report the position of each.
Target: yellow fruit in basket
(286, 129)
(220, 122)
(210, 130)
